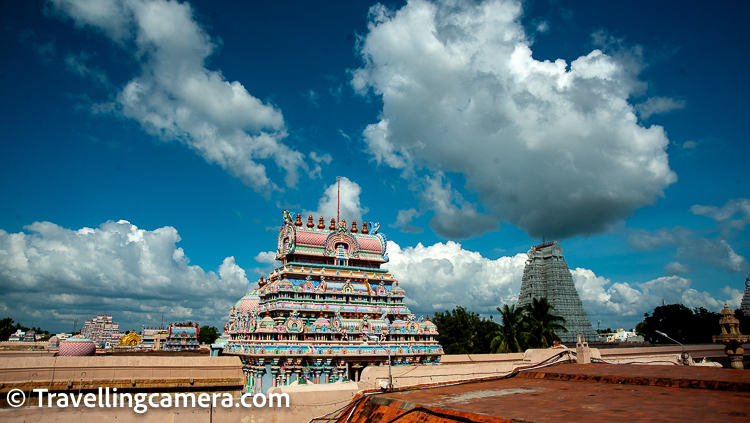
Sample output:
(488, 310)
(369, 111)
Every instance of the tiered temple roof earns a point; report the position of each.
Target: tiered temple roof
(102, 330)
(314, 317)
(546, 274)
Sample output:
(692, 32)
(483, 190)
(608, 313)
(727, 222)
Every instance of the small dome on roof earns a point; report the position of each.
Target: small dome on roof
(247, 303)
(77, 346)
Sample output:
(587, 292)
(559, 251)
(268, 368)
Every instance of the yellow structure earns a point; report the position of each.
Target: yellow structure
(130, 339)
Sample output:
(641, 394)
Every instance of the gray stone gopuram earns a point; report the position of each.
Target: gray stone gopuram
(547, 275)
(745, 305)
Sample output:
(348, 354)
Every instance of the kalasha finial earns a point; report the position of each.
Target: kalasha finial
(298, 222)
(310, 223)
(365, 231)
(333, 224)
(354, 226)
(321, 223)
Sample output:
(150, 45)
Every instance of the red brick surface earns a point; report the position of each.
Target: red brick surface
(592, 393)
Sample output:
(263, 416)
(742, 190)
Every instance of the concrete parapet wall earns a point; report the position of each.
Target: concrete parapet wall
(64, 373)
(454, 368)
(306, 402)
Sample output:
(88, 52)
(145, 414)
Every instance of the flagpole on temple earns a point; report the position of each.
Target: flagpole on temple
(338, 196)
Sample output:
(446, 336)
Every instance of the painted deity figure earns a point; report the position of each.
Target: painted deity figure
(323, 285)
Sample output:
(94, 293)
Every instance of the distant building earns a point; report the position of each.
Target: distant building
(182, 337)
(153, 338)
(29, 336)
(102, 330)
(17, 336)
(547, 275)
(622, 335)
(745, 305)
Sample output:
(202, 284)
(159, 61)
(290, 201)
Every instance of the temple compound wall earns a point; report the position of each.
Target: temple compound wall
(546, 274)
(326, 312)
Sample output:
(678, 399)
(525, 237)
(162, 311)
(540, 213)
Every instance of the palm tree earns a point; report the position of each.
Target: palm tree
(540, 324)
(510, 336)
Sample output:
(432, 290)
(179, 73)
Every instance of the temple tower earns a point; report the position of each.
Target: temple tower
(745, 304)
(547, 275)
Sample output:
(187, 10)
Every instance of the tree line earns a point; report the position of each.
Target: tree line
(8, 327)
(534, 326)
(465, 332)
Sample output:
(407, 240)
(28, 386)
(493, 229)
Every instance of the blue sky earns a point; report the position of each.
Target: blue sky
(150, 147)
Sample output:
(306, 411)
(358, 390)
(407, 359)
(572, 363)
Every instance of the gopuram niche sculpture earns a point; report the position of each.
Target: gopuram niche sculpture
(327, 311)
(547, 275)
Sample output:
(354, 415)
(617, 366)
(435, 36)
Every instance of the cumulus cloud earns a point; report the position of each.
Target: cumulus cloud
(617, 301)
(444, 275)
(348, 199)
(658, 105)
(52, 275)
(553, 147)
(176, 98)
(266, 257)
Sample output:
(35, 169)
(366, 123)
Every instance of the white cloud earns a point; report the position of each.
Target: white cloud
(541, 25)
(552, 147)
(313, 97)
(444, 275)
(642, 239)
(454, 217)
(730, 219)
(177, 98)
(676, 268)
(321, 158)
(77, 64)
(622, 302)
(658, 105)
(52, 275)
(403, 221)
(348, 199)
(739, 207)
(266, 257)
(714, 252)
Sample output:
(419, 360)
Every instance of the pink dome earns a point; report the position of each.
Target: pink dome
(77, 346)
(248, 303)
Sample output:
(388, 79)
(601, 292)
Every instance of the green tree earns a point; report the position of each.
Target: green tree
(510, 337)
(6, 328)
(684, 325)
(541, 325)
(463, 332)
(208, 334)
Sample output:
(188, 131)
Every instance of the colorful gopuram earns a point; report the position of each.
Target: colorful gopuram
(102, 330)
(327, 311)
(182, 337)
